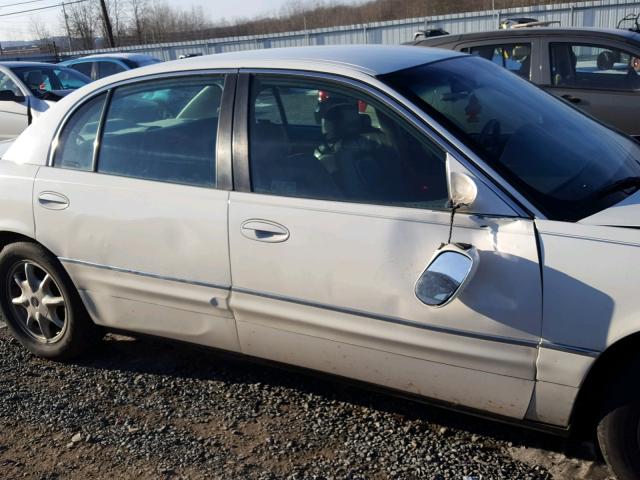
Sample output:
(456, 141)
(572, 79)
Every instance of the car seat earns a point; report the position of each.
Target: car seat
(363, 168)
(275, 171)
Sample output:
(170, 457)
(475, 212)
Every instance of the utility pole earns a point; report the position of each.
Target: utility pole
(66, 21)
(107, 24)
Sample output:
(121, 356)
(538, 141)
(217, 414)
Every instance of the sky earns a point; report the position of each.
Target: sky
(19, 27)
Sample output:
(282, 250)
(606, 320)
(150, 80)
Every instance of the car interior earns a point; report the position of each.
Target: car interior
(328, 144)
(592, 68)
(515, 58)
(167, 134)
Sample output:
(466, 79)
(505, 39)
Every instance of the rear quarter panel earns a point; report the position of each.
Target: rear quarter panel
(16, 207)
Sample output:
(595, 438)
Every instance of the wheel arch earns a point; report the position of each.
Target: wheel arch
(8, 237)
(584, 416)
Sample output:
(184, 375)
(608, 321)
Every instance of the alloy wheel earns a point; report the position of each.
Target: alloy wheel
(38, 304)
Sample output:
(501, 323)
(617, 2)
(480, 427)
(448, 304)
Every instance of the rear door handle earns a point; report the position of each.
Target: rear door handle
(53, 200)
(264, 231)
(571, 98)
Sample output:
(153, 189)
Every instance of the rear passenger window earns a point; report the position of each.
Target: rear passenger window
(335, 143)
(83, 67)
(164, 131)
(75, 144)
(593, 67)
(515, 57)
(109, 68)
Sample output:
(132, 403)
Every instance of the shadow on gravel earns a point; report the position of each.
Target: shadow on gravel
(170, 359)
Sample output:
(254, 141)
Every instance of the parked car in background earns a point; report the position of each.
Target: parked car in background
(28, 89)
(103, 65)
(394, 215)
(596, 70)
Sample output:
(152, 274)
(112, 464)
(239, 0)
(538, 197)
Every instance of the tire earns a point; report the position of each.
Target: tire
(40, 304)
(619, 426)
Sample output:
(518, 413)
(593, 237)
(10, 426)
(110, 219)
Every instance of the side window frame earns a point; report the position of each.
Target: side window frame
(76, 110)
(224, 176)
(422, 122)
(585, 42)
(242, 117)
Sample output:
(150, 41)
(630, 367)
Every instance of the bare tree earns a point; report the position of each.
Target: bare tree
(137, 10)
(151, 21)
(82, 23)
(118, 15)
(39, 29)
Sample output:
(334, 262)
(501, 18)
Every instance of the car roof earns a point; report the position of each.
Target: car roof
(369, 59)
(357, 62)
(602, 33)
(26, 64)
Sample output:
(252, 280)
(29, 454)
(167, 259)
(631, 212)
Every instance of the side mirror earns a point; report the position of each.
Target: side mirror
(463, 190)
(9, 96)
(447, 274)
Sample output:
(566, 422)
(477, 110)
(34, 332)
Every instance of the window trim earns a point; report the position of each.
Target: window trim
(223, 139)
(548, 80)
(101, 124)
(399, 105)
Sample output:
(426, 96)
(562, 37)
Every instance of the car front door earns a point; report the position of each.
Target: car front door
(13, 115)
(140, 224)
(327, 244)
(602, 78)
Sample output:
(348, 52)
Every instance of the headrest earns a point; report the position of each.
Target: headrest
(341, 121)
(606, 60)
(35, 77)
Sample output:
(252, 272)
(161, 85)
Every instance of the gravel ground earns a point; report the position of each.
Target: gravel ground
(152, 409)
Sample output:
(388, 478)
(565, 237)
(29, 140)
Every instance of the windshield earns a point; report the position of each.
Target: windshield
(567, 164)
(44, 79)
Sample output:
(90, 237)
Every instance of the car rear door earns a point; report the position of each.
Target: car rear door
(327, 245)
(140, 223)
(596, 76)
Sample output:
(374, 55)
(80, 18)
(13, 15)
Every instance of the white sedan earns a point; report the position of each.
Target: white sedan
(28, 89)
(418, 219)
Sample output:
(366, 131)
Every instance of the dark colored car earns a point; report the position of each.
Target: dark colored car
(596, 70)
(103, 65)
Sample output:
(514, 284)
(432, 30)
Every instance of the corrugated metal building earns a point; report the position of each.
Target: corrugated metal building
(596, 13)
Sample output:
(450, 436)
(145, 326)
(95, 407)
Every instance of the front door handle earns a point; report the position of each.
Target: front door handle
(572, 99)
(53, 200)
(264, 231)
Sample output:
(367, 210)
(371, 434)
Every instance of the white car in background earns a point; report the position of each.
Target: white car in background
(424, 221)
(28, 89)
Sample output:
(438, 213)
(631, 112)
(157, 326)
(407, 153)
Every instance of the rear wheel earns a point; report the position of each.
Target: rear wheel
(619, 425)
(40, 304)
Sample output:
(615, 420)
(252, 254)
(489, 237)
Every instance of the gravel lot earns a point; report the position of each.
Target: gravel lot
(153, 409)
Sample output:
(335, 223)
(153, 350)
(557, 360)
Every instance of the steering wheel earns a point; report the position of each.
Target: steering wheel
(489, 137)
